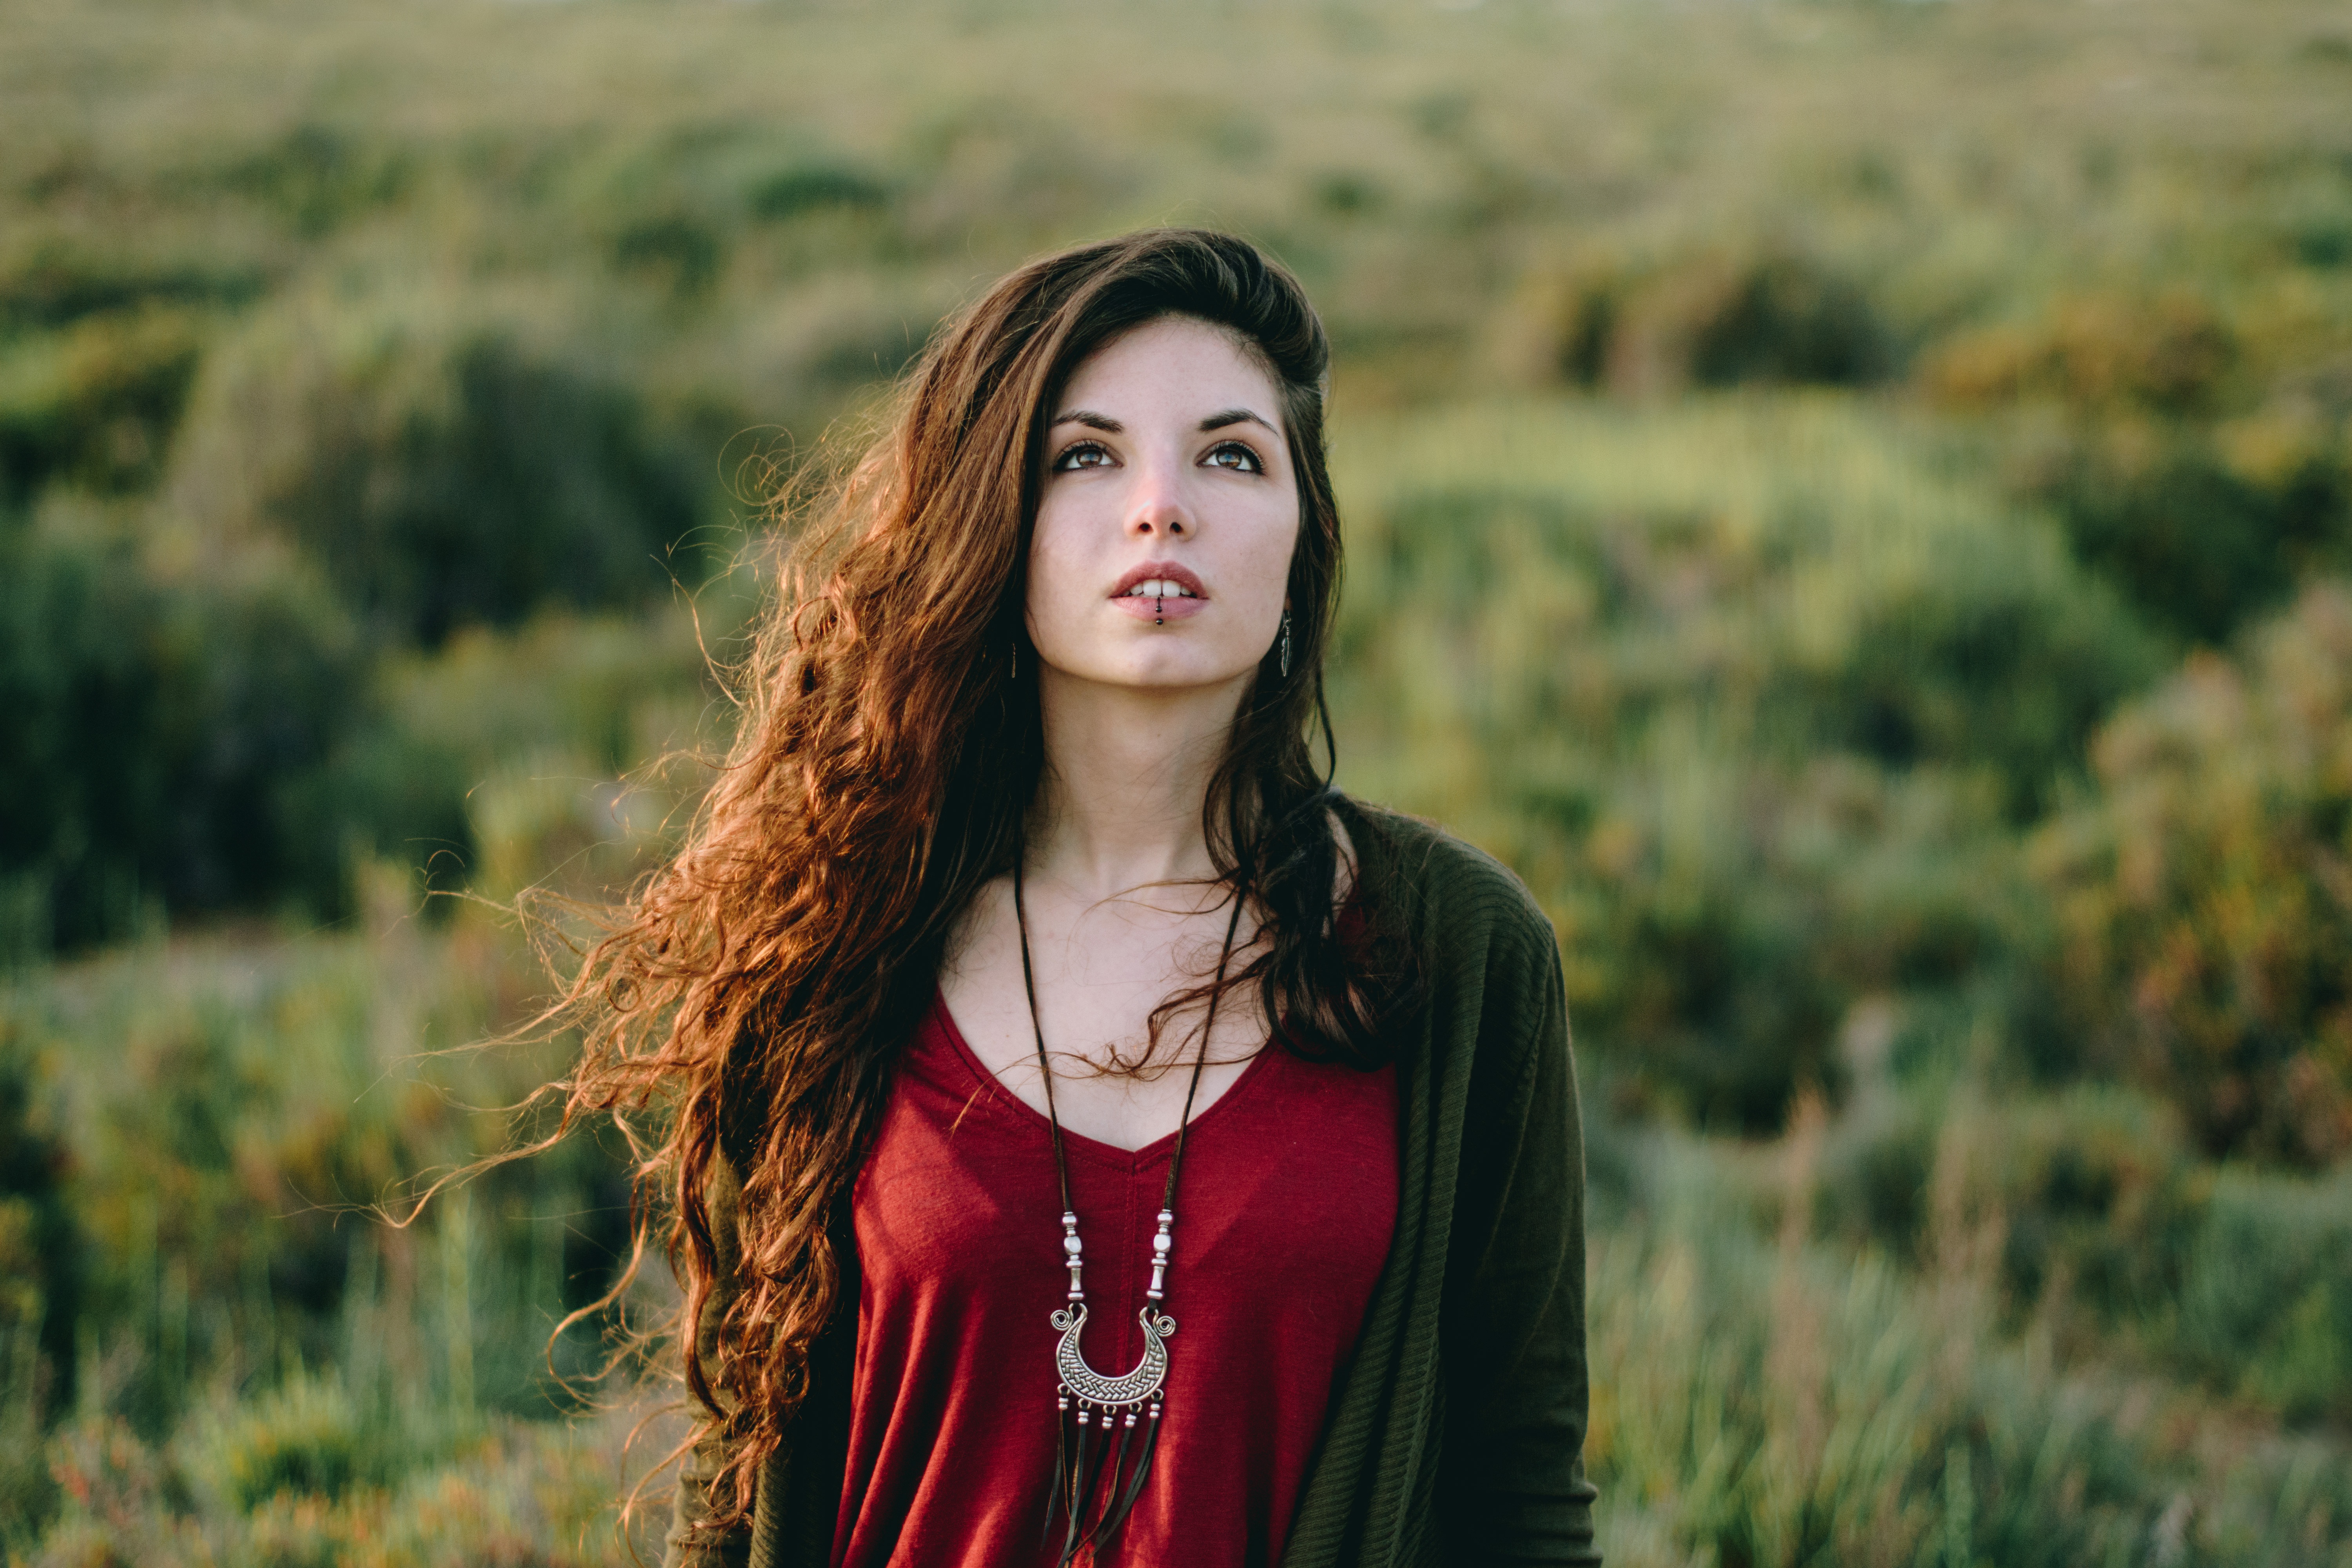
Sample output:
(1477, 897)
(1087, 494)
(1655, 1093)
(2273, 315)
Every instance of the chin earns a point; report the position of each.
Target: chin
(1162, 673)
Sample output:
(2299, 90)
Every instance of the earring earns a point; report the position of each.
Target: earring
(1285, 644)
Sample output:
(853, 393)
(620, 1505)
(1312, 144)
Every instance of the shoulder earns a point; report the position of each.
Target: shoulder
(1451, 895)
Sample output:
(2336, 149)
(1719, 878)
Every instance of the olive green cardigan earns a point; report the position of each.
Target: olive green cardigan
(1456, 1432)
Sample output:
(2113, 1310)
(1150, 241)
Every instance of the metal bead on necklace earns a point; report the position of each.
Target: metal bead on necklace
(1086, 1460)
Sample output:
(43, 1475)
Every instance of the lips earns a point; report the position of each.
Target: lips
(1159, 592)
(1160, 579)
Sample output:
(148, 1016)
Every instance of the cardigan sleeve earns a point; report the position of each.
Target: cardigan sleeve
(686, 1546)
(1512, 1482)
(690, 1505)
(799, 1485)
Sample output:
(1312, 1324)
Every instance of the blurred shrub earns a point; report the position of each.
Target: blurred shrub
(676, 249)
(2170, 353)
(41, 1274)
(798, 356)
(220, 742)
(2196, 546)
(397, 800)
(2100, 1196)
(443, 472)
(1717, 932)
(2205, 891)
(2113, 401)
(304, 1437)
(556, 752)
(1755, 729)
(2109, 1226)
(789, 192)
(1771, 1400)
(50, 277)
(40, 1243)
(1778, 318)
(2096, 1193)
(1731, 317)
(614, 692)
(236, 1109)
(541, 1495)
(1978, 653)
(2266, 1307)
(549, 821)
(2196, 542)
(95, 403)
(315, 177)
(117, 1497)
(170, 740)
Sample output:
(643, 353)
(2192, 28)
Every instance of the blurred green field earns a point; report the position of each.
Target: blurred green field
(1852, 500)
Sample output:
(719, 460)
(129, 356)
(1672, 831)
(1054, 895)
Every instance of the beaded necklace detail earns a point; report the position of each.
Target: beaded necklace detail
(1086, 1459)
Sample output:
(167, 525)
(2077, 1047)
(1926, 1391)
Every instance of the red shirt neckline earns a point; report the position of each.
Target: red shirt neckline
(953, 1420)
(1154, 1153)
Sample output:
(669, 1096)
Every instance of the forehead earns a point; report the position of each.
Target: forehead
(1176, 362)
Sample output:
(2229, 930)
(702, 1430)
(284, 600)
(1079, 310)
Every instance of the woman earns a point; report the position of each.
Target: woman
(1097, 1138)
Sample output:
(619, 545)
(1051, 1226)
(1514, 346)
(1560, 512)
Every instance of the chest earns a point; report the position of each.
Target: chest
(1292, 1174)
(1101, 972)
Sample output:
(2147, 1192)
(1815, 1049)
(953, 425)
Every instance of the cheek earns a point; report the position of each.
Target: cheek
(1272, 547)
(1058, 572)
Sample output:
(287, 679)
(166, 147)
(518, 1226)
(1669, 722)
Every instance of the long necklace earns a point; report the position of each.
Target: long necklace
(1086, 1460)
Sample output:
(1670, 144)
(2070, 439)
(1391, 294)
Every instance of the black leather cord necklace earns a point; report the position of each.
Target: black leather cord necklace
(1102, 1403)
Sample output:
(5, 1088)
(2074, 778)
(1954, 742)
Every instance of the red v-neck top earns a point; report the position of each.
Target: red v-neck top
(1284, 1214)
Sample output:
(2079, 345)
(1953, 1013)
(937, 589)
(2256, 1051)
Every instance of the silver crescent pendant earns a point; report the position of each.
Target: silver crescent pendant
(1090, 1387)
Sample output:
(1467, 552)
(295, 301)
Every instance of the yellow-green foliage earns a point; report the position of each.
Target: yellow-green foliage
(1775, 439)
(577, 743)
(302, 1438)
(538, 1494)
(2207, 890)
(1752, 723)
(443, 471)
(96, 401)
(472, 309)
(1760, 1399)
(238, 1111)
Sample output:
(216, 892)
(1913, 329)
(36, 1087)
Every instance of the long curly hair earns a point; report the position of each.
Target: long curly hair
(754, 992)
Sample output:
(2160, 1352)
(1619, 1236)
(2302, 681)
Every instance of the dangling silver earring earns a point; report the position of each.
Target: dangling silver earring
(1285, 644)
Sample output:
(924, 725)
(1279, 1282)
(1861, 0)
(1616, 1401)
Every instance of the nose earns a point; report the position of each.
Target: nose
(1157, 509)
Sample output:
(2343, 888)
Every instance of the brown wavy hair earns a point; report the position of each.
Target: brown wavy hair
(754, 991)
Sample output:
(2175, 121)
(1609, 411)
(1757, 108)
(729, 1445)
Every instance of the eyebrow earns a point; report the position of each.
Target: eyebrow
(1094, 421)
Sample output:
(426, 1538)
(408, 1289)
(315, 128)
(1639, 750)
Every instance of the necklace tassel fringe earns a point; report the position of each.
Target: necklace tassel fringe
(1088, 1461)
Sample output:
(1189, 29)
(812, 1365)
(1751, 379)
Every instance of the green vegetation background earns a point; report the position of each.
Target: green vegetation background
(1854, 501)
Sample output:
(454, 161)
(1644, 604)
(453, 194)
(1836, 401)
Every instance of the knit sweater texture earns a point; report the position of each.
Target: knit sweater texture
(1456, 1431)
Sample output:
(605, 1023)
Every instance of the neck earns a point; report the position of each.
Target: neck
(1126, 774)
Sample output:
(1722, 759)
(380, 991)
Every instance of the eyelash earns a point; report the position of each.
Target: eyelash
(1067, 463)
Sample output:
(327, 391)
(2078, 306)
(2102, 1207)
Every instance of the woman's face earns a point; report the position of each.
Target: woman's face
(1168, 514)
